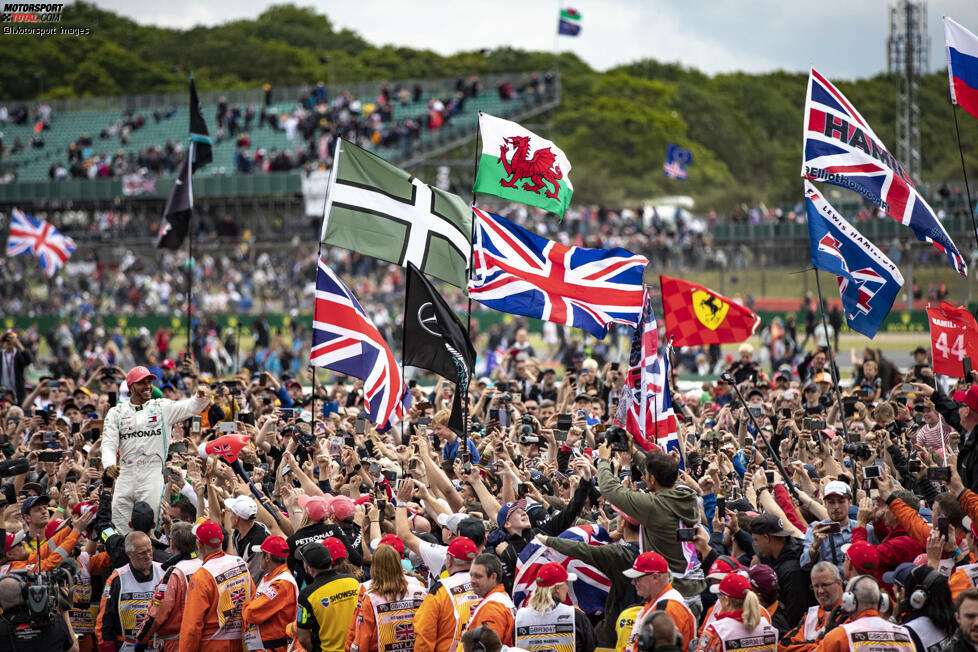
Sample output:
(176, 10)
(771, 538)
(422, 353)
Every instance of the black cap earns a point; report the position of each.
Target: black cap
(142, 519)
(316, 555)
(768, 524)
(474, 529)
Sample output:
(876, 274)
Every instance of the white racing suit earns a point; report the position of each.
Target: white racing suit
(137, 437)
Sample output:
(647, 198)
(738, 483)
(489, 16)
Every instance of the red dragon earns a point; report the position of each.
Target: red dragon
(539, 169)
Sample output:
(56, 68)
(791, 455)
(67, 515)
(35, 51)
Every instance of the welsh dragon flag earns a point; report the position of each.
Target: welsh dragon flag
(520, 166)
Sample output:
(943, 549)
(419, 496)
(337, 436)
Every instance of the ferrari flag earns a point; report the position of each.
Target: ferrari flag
(840, 148)
(696, 315)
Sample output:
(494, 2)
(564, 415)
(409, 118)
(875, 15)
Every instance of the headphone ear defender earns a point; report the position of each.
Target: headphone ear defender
(849, 597)
(919, 597)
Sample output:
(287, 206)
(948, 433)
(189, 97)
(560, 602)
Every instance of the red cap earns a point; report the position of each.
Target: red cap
(863, 556)
(13, 539)
(646, 563)
(723, 566)
(136, 374)
(552, 573)
(734, 585)
(969, 398)
(362, 500)
(336, 548)
(394, 542)
(209, 533)
(168, 364)
(463, 549)
(52, 527)
(82, 508)
(275, 546)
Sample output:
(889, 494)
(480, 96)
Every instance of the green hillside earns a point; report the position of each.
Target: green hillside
(744, 130)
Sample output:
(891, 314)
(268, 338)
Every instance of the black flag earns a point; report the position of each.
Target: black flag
(198, 131)
(179, 207)
(434, 338)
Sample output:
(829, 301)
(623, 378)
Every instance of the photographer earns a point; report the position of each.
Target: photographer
(20, 631)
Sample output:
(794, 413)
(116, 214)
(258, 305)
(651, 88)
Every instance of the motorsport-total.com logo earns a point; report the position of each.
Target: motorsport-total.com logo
(32, 17)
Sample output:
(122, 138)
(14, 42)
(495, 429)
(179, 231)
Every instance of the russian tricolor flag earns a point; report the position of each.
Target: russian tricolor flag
(962, 66)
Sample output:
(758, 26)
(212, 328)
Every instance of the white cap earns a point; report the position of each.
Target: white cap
(242, 506)
(837, 488)
(451, 521)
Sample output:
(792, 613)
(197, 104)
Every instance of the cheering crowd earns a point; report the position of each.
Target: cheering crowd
(182, 511)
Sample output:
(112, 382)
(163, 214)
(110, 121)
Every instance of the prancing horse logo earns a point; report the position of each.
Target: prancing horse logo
(427, 319)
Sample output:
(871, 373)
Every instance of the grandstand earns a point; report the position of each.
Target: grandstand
(72, 119)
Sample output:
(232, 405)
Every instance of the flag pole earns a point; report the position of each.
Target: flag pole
(828, 345)
(475, 174)
(190, 257)
(964, 171)
(315, 277)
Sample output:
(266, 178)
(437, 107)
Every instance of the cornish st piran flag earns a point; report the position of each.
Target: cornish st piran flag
(696, 315)
(962, 65)
(868, 281)
(840, 148)
(518, 165)
(645, 407)
(345, 340)
(521, 273)
(677, 158)
(379, 210)
(40, 239)
(588, 592)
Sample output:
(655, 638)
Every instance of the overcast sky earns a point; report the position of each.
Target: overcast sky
(842, 38)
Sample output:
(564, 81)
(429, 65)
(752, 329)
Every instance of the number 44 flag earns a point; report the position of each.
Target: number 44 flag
(953, 337)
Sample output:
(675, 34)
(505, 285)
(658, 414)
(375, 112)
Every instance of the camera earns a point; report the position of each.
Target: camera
(915, 466)
(47, 594)
(617, 438)
(814, 424)
(939, 473)
(529, 439)
(860, 450)
(755, 410)
(685, 534)
(871, 472)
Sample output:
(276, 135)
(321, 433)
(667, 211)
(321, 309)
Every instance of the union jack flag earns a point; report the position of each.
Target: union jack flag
(524, 274)
(345, 340)
(677, 158)
(41, 239)
(588, 592)
(403, 632)
(645, 405)
(840, 148)
(239, 595)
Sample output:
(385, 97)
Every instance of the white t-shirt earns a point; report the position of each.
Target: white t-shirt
(433, 556)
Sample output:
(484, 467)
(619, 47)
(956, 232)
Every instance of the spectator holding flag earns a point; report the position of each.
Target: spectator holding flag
(660, 514)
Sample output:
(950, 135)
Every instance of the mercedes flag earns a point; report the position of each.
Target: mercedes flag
(179, 208)
(434, 339)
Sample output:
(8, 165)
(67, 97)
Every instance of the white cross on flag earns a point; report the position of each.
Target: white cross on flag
(379, 210)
